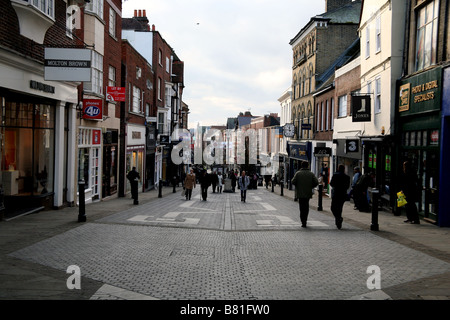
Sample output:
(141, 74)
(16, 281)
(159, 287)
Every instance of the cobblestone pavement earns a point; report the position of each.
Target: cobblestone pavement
(225, 249)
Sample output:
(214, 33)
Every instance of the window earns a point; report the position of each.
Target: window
(161, 123)
(168, 96)
(326, 116)
(160, 57)
(96, 84)
(112, 76)
(159, 89)
(367, 42)
(342, 112)
(46, 6)
(322, 116)
(95, 6)
(136, 100)
(427, 26)
(332, 114)
(378, 95)
(378, 39)
(167, 65)
(112, 22)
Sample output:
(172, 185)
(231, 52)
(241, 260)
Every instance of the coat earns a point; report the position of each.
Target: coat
(243, 185)
(340, 182)
(304, 181)
(190, 181)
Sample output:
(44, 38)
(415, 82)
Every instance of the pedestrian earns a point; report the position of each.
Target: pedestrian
(267, 178)
(244, 182)
(133, 176)
(214, 181)
(190, 182)
(304, 181)
(410, 186)
(205, 182)
(360, 194)
(219, 182)
(233, 180)
(340, 182)
(356, 176)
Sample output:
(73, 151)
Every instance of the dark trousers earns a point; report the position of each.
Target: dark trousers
(304, 210)
(214, 188)
(204, 193)
(188, 194)
(336, 207)
(411, 212)
(243, 194)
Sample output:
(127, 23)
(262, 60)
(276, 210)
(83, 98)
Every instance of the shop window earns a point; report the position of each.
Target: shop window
(27, 148)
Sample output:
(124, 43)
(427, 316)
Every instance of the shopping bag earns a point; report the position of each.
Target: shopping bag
(183, 192)
(401, 199)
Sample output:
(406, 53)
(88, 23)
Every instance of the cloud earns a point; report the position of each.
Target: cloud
(236, 53)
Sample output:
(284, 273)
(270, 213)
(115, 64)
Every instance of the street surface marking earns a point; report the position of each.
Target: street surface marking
(107, 292)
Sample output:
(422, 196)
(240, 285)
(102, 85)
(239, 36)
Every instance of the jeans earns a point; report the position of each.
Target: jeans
(243, 195)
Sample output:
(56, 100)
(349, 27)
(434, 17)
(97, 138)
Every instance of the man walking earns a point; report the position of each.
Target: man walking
(205, 182)
(190, 183)
(244, 181)
(304, 181)
(340, 182)
(133, 176)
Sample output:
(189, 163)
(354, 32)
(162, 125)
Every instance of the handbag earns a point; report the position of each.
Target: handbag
(401, 199)
(183, 192)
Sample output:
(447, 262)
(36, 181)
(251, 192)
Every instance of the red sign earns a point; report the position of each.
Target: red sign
(115, 93)
(96, 135)
(435, 137)
(93, 109)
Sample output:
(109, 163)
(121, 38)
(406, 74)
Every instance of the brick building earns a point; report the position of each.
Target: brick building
(38, 115)
(315, 47)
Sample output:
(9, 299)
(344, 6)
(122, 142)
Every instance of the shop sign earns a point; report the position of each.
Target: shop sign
(93, 109)
(115, 94)
(67, 64)
(300, 151)
(421, 93)
(322, 152)
(361, 111)
(164, 139)
(96, 136)
(306, 126)
(434, 138)
(351, 146)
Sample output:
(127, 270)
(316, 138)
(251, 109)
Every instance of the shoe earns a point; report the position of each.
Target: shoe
(406, 221)
(415, 222)
(303, 225)
(339, 223)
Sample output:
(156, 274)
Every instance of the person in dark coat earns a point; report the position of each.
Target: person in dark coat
(205, 182)
(214, 181)
(233, 180)
(410, 187)
(340, 182)
(133, 176)
(360, 192)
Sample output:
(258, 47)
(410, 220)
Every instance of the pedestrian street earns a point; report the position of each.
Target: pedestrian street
(225, 249)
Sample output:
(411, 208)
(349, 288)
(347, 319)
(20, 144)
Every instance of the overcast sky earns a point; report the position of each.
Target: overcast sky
(236, 53)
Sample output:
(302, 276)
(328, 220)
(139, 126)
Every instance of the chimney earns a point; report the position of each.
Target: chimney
(153, 27)
(331, 5)
(144, 14)
(140, 13)
(135, 13)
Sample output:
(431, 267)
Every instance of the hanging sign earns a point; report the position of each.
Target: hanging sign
(361, 111)
(115, 94)
(93, 109)
(66, 64)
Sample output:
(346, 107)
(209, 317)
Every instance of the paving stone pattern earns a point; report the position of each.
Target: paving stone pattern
(230, 250)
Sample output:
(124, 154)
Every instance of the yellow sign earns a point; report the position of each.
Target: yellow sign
(404, 97)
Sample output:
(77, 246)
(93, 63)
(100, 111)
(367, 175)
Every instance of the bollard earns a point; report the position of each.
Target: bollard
(374, 225)
(160, 189)
(174, 182)
(81, 200)
(282, 187)
(319, 208)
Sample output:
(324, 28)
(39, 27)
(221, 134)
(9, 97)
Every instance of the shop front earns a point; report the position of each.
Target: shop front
(444, 177)
(420, 133)
(136, 154)
(322, 163)
(298, 152)
(110, 162)
(27, 142)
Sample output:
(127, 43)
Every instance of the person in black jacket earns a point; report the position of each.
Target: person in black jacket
(133, 176)
(205, 182)
(410, 187)
(340, 182)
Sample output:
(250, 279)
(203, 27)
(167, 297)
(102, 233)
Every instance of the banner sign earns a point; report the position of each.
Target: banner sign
(93, 109)
(361, 111)
(64, 64)
(115, 94)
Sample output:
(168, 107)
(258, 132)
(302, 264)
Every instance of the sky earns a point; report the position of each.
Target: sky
(236, 53)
